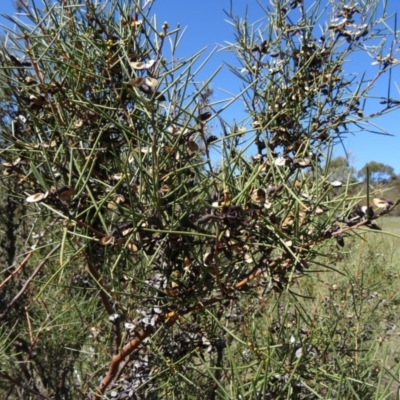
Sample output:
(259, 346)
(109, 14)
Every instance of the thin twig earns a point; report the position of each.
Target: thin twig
(19, 384)
(28, 281)
(15, 272)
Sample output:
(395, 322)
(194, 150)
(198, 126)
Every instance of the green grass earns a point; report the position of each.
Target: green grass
(387, 274)
(366, 298)
(348, 314)
(391, 224)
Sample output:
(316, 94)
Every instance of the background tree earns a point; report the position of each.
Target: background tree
(341, 170)
(149, 263)
(379, 172)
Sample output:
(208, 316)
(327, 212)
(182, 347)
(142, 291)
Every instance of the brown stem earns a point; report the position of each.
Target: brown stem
(15, 272)
(126, 350)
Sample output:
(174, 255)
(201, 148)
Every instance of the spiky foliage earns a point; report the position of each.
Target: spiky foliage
(147, 256)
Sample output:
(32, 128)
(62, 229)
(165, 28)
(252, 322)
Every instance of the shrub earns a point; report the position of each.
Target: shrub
(152, 261)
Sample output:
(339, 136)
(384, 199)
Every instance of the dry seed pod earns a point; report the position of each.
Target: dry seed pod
(216, 204)
(301, 162)
(117, 177)
(168, 149)
(258, 196)
(142, 65)
(336, 184)
(35, 198)
(136, 82)
(267, 204)
(30, 81)
(138, 65)
(248, 258)
(107, 240)
(208, 258)
(368, 212)
(273, 190)
(120, 241)
(382, 202)
(112, 206)
(285, 264)
(237, 248)
(321, 209)
(165, 188)
(136, 24)
(298, 185)
(340, 240)
(22, 178)
(374, 226)
(136, 188)
(174, 130)
(38, 101)
(193, 146)
(306, 196)
(127, 231)
(281, 161)
(205, 116)
(53, 143)
(119, 198)
(144, 150)
(21, 118)
(65, 193)
(132, 247)
(287, 222)
(151, 82)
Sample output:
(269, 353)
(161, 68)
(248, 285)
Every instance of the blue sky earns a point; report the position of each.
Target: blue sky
(206, 26)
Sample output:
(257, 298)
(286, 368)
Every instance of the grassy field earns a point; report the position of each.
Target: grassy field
(391, 224)
(387, 275)
(346, 320)
(336, 333)
(366, 298)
